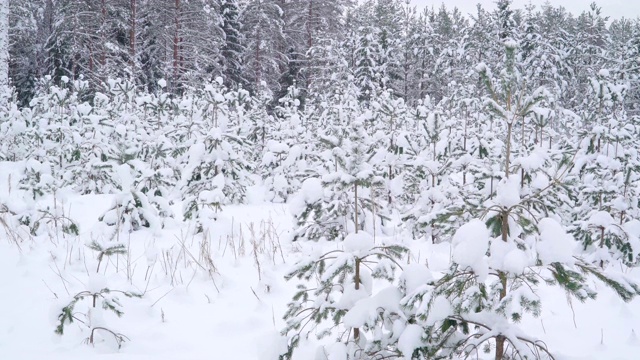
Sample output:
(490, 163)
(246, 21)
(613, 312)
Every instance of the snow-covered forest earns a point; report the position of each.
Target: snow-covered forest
(313, 179)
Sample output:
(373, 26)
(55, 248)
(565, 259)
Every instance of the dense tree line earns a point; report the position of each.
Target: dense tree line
(512, 135)
(269, 45)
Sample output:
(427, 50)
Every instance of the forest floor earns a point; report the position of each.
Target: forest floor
(221, 296)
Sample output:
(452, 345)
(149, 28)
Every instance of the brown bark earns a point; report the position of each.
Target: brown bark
(507, 160)
(103, 53)
(356, 205)
(91, 58)
(500, 347)
(257, 61)
(356, 278)
(132, 38)
(309, 28)
(500, 340)
(601, 244)
(176, 44)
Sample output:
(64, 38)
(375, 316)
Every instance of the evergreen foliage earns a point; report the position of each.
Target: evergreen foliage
(511, 137)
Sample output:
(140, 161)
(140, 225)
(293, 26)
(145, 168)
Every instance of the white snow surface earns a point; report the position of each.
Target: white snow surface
(236, 311)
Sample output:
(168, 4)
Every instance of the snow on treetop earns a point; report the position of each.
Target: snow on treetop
(470, 244)
(84, 109)
(414, 276)
(508, 192)
(540, 181)
(96, 283)
(545, 112)
(34, 164)
(312, 190)
(601, 219)
(410, 340)
(506, 256)
(358, 243)
(555, 244)
(365, 172)
(211, 197)
(510, 44)
(535, 160)
(366, 310)
(277, 146)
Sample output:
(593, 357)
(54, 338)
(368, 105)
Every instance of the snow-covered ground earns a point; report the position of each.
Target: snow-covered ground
(222, 296)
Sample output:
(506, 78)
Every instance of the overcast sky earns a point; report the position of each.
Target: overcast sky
(611, 8)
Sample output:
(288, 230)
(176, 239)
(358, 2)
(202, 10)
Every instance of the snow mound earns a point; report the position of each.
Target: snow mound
(470, 244)
(414, 276)
(410, 340)
(601, 219)
(367, 309)
(508, 192)
(555, 244)
(312, 190)
(358, 243)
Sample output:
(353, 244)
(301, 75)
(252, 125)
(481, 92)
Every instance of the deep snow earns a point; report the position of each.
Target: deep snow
(233, 310)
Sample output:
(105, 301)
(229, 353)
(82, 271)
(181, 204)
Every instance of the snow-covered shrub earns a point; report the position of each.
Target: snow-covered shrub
(91, 316)
(607, 175)
(499, 258)
(89, 308)
(343, 199)
(342, 303)
(143, 201)
(216, 170)
(283, 164)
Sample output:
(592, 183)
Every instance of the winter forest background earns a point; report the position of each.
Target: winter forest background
(278, 179)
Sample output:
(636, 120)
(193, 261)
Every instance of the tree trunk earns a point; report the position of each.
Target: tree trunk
(257, 62)
(356, 205)
(103, 36)
(4, 42)
(500, 347)
(500, 340)
(132, 39)
(601, 244)
(503, 281)
(507, 159)
(176, 45)
(309, 26)
(356, 278)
